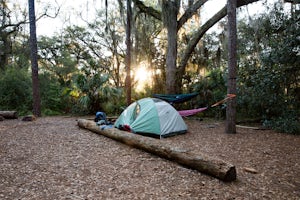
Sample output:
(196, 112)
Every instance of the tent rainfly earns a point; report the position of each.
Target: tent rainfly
(151, 117)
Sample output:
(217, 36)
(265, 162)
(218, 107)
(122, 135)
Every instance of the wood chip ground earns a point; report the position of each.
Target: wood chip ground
(52, 158)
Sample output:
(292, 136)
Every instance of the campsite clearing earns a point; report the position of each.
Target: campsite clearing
(52, 158)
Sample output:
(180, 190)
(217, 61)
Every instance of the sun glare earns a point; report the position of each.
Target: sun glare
(142, 74)
(143, 77)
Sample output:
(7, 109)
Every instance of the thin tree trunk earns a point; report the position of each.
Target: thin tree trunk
(34, 61)
(128, 53)
(232, 67)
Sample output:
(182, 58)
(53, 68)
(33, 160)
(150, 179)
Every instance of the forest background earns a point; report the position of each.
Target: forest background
(82, 70)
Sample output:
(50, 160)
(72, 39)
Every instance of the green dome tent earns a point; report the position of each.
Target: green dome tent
(152, 117)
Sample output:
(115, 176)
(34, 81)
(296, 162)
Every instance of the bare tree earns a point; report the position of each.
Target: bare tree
(34, 61)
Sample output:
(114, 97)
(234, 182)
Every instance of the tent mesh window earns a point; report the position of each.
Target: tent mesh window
(137, 110)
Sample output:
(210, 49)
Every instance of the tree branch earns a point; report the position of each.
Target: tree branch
(202, 30)
(15, 26)
(190, 12)
(45, 14)
(148, 10)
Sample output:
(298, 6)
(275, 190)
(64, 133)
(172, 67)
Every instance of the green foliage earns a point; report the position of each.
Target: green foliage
(287, 123)
(212, 88)
(21, 53)
(16, 91)
(261, 93)
(76, 62)
(54, 99)
(269, 69)
(56, 59)
(95, 92)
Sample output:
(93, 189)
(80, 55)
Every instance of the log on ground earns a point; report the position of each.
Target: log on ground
(202, 163)
(9, 114)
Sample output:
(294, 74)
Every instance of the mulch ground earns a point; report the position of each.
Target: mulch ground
(52, 158)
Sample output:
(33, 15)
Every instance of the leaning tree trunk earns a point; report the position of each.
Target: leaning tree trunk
(34, 61)
(232, 67)
(208, 165)
(197, 36)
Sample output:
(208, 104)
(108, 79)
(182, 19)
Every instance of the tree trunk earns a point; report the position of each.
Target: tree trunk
(232, 67)
(128, 54)
(34, 61)
(9, 114)
(208, 165)
(170, 11)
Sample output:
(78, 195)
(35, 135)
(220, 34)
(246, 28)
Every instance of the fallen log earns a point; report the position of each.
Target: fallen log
(9, 114)
(208, 165)
(29, 118)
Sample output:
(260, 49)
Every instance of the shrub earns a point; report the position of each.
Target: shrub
(16, 91)
(288, 123)
(53, 99)
(212, 88)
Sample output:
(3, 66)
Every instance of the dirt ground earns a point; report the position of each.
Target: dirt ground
(52, 158)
